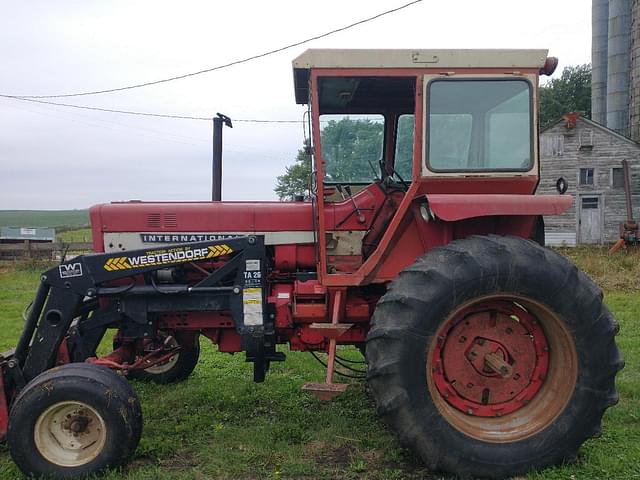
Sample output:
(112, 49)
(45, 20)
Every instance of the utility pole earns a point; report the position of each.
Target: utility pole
(216, 171)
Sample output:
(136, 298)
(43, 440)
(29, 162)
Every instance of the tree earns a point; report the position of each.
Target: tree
(352, 149)
(296, 178)
(569, 93)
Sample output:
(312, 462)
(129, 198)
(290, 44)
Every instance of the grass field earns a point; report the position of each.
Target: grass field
(219, 424)
(75, 235)
(44, 218)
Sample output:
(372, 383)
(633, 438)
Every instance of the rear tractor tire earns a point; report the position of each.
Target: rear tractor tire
(493, 356)
(175, 369)
(73, 421)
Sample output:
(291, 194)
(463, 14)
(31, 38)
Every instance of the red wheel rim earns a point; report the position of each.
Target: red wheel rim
(490, 359)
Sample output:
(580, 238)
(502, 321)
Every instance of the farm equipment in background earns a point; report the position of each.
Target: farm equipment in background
(629, 229)
(488, 354)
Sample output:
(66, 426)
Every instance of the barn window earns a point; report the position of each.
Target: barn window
(551, 145)
(586, 176)
(589, 202)
(586, 140)
(617, 177)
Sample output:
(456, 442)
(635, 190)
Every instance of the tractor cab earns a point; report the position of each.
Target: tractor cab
(401, 131)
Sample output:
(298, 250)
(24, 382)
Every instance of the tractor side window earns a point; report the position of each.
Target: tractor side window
(352, 147)
(508, 144)
(403, 159)
(450, 135)
(479, 125)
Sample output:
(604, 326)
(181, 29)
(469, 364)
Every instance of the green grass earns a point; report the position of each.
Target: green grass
(77, 235)
(219, 424)
(44, 218)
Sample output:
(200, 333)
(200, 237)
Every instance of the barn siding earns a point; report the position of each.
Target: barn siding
(562, 239)
(564, 151)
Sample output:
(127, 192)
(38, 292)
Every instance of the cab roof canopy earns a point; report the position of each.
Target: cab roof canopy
(416, 58)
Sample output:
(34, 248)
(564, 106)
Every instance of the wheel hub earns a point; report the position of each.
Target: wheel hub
(77, 423)
(490, 359)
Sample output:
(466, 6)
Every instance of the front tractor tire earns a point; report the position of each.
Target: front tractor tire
(73, 421)
(493, 356)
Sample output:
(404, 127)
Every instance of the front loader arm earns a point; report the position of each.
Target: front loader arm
(79, 299)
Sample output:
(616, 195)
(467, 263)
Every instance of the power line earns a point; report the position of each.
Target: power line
(253, 120)
(155, 134)
(109, 110)
(226, 65)
(144, 114)
(105, 124)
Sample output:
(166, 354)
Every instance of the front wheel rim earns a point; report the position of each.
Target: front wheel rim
(517, 384)
(70, 434)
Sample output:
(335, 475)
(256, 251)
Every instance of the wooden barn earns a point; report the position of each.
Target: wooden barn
(587, 157)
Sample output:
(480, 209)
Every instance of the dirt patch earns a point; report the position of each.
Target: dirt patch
(139, 462)
(339, 456)
(179, 461)
(349, 457)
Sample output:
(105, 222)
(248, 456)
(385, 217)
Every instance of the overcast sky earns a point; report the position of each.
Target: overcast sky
(58, 158)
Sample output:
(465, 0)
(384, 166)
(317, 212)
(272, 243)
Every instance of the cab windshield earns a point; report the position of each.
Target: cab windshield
(366, 127)
(479, 125)
(352, 147)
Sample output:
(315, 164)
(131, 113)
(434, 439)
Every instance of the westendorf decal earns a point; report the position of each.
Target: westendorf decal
(165, 256)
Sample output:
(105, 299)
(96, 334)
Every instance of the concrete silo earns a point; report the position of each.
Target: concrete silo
(615, 58)
(634, 77)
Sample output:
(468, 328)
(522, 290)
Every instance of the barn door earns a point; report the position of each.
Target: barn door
(590, 219)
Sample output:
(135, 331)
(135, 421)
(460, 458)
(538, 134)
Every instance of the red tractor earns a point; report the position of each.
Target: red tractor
(420, 242)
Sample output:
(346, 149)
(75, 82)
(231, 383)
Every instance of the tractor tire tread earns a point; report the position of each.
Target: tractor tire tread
(503, 264)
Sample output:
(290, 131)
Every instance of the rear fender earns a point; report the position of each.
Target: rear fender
(456, 207)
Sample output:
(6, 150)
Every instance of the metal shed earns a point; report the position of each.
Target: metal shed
(20, 234)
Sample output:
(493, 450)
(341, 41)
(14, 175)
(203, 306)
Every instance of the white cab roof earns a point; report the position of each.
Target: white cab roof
(410, 58)
(341, 58)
